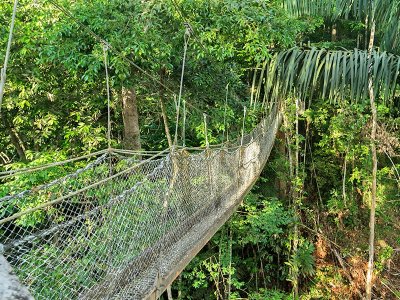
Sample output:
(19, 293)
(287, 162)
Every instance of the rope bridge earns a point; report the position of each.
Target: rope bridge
(122, 227)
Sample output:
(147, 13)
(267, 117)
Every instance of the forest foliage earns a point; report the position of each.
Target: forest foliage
(305, 223)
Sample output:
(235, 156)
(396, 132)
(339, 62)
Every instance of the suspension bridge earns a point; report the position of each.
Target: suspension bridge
(123, 228)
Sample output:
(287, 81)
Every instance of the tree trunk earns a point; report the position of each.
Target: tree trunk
(15, 140)
(366, 33)
(130, 118)
(296, 197)
(334, 33)
(372, 220)
(293, 159)
(280, 183)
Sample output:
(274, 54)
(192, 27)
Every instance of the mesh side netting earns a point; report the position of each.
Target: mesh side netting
(110, 230)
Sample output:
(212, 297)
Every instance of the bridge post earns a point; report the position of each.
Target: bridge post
(10, 287)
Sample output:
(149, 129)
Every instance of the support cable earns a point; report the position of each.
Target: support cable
(4, 69)
(105, 49)
(206, 131)
(178, 107)
(244, 119)
(194, 32)
(186, 38)
(225, 108)
(186, 42)
(186, 22)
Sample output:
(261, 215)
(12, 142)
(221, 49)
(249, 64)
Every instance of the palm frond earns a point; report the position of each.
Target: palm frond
(331, 9)
(386, 14)
(334, 75)
(388, 21)
(298, 8)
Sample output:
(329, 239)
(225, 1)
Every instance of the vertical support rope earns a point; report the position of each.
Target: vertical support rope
(178, 107)
(244, 119)
(186, 42)
(241, 149)
(164, 111)
(226, 104)
(105, 49)
(206, 130)
(186, 38)
(4, 69)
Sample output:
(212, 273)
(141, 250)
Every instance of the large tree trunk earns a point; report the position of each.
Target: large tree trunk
(130, 118)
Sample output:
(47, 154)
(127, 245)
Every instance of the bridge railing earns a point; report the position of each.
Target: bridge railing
(118, 227)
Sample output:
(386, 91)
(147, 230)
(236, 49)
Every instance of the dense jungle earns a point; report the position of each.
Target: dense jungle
(323, 220)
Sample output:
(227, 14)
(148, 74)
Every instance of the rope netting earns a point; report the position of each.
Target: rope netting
(115, 227)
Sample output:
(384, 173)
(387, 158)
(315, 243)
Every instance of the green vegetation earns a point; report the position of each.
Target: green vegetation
(303, 230)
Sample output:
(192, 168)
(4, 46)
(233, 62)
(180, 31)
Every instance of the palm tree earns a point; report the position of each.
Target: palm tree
(358, 75)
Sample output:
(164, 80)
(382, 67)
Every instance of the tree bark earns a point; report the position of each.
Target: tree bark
(17, 143)
(368, 285)
(130, 118)
(293, 160)
(296, 197)
(334, 33)
(280, 183)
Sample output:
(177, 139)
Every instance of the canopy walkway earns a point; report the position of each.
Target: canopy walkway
(124, 228)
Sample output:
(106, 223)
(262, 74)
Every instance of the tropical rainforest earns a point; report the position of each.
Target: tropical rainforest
(322, 221)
